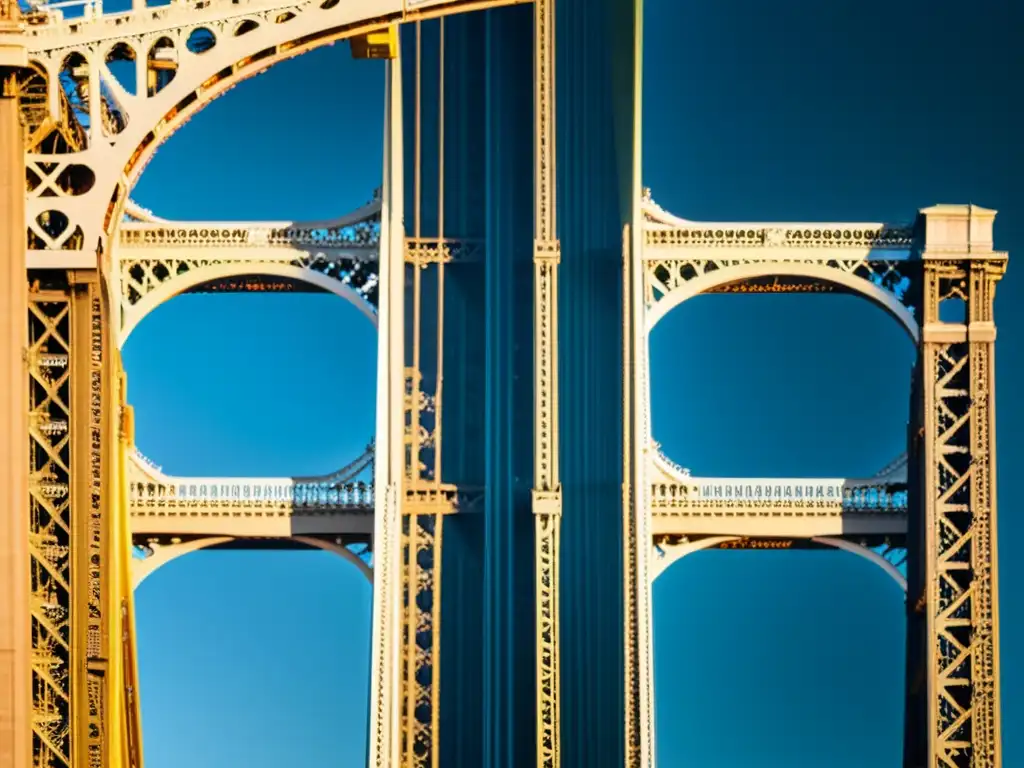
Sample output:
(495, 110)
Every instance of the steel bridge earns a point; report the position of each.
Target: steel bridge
(172, 516)
(546, 464)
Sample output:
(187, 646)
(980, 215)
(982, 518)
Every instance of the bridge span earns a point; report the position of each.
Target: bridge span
(159, 259)
(250, 508)
(172, 516)
(865, 517)
(795, 508)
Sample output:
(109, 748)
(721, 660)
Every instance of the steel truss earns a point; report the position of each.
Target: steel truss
(948, 523)
(86, 140)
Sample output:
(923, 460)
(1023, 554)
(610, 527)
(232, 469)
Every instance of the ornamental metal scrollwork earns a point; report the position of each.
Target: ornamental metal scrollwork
(677, 251)
(154, 254)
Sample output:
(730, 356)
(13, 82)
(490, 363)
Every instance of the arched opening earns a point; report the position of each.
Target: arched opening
(352, 281)
(256, 657)
(763, 657)
(258, 383)
(242, 385)
(252, 162)
(780, 386)
(778, 659)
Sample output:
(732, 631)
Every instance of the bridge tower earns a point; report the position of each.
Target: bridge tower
(67, 617)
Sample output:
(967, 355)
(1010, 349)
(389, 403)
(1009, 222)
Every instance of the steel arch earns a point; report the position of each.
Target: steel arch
(750, 270)
(167, 290)
(142, 569)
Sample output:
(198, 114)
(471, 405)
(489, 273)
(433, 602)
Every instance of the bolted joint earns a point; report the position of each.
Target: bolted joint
(547, 503)
(547, 252)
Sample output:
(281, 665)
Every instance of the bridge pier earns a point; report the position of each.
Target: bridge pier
(953, 687)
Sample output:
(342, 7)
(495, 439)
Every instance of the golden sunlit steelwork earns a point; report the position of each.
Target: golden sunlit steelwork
(936, 501)
(83, 265)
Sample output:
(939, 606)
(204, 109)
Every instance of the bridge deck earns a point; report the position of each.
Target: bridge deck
(777, 507)
(333, 505)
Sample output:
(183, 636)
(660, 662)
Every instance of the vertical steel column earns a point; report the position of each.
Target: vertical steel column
(959, 592)
(91, 726)
(637, 540)
(15, 637)
(389, 468)
(547, 491)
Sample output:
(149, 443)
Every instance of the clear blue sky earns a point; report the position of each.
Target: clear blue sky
(753, 111)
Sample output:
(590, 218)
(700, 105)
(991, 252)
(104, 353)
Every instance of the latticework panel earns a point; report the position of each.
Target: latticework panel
(547, 491)
(547, 530)
(66, 366)
(547, 495)
(959, 525)
(421, 646)
(953, 587)
(664, 276)
(50, 520)
(426, 501)
(92, 328)
(732, 257)
(345, 253)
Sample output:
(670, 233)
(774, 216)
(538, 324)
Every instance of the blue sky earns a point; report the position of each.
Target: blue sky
(792, 111)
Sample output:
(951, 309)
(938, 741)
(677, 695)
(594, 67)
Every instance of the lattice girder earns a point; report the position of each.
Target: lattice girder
(683, 258)
(421, 647)
(50, 525)
(72, 444)
(157, 260)
(957, 367)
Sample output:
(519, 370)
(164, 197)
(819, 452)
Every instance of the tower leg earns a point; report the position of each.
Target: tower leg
(958, 594)
(71, 511)
(547, 493)
(389, 467)
(15, 638)
(91, 506)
